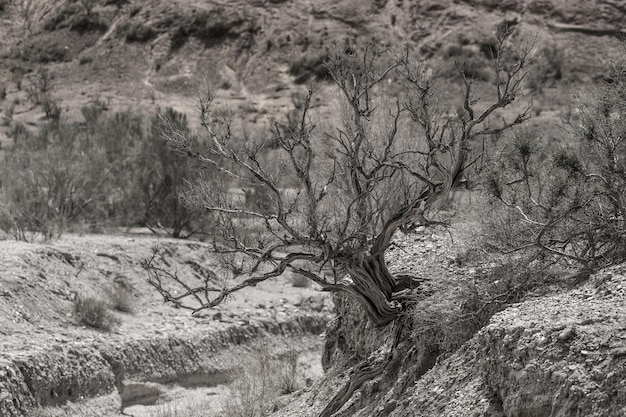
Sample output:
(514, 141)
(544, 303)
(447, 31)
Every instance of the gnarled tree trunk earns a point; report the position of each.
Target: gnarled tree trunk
(375, 288)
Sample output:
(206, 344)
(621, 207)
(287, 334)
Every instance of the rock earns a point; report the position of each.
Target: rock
(618, 352)
(281, 317)
(317, 303)
(566, 333)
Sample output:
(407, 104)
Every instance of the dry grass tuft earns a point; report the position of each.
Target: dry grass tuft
(94, 313)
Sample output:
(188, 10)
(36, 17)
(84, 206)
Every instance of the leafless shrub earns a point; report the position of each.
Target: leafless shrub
(38, 87)
(51, 108)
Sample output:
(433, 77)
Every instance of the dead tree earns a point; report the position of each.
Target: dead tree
(382, 163)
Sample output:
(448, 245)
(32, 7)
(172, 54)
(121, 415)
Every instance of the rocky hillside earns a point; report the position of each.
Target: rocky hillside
(560, 353)
(142, 54)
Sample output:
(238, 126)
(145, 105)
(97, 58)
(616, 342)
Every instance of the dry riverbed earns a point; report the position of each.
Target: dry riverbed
(158, 356)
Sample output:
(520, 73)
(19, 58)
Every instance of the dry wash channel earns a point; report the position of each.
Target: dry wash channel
(49, 359)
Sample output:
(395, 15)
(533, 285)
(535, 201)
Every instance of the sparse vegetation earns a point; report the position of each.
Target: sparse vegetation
(38, 87)
(121, 297)
(51, 108)
(77, 16)
(445, 323)
(25, 11)
(288, 372)
(139, 32)
(255, 392)
(95, 313)
(299, 281)
(309, 67)
(165, 177)
(107, 171)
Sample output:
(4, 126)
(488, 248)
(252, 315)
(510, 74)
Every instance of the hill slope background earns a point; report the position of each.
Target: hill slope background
(141, 54)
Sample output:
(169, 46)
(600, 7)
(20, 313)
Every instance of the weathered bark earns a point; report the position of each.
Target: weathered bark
(375, 288)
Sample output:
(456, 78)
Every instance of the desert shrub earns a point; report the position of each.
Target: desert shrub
(88, 5)
(288, 372)
(445, 323)
(139, 32)
(67, 173)
(42, 49)
(94, 313)
(92, 112)
(78, 17)
(165, 176)
(176, 410)
(51, 108)
(106, 170)
(7, 117)
(85, 59)
(38, 87)
(551, 65)
(211, 27)
(298, 281)
(254, 391)
(87, 23)
(37, 183)
(568, 203)
(121, 297)
(309, 66)
(3, 92)
(471, 57)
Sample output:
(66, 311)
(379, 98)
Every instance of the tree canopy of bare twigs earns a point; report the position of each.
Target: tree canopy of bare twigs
(346, 178)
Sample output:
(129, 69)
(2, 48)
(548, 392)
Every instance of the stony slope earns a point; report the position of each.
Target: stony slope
(560, 354)
(135, 55)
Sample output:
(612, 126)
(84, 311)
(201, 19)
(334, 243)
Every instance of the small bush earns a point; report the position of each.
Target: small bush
(175, 410)
(309, 66)
(138, 32)
(85, 59)
(446, 323)
(51, 108)
(121, 296)
(94, 313)
(254, 393)
(76, 17)
(299, 281)
(288, 372)
(38, 87)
